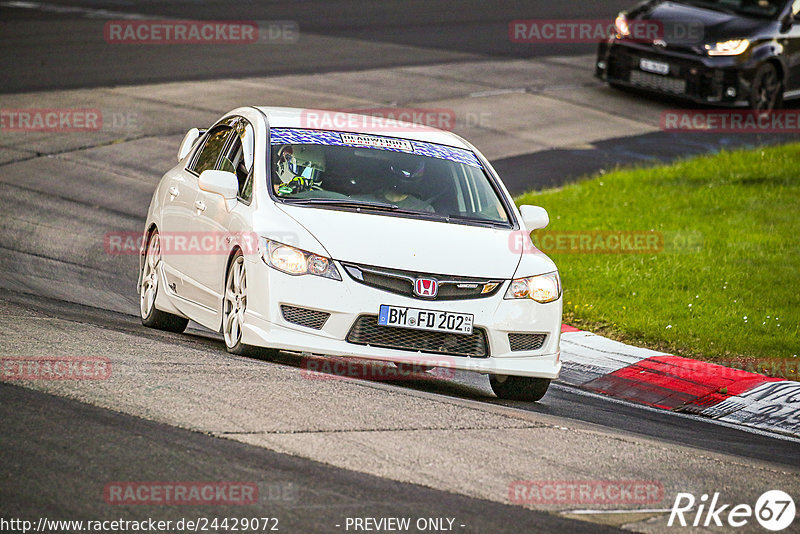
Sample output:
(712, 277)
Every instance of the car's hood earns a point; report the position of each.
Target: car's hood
(412, 244)
(717, 25)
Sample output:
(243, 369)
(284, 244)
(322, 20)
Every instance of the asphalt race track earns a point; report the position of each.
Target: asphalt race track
(179, 408)
(305, 496)
(52, 42)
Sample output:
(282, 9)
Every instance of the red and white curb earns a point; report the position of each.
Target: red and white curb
(679, 384)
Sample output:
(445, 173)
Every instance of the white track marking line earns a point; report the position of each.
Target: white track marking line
(631, 511)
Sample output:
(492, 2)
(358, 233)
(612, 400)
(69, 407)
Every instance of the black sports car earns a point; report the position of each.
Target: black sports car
(722, 52)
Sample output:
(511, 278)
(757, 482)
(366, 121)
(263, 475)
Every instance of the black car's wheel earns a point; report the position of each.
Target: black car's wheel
(519, 387)
(767, 91)
(152, 317)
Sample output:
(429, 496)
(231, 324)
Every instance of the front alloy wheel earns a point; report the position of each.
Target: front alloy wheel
(234, 305)
(151, 316)
(767, 90)
(521, 388)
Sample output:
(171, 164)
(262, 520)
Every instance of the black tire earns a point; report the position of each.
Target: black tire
(521, 388)
(151, 316)
(766, 93)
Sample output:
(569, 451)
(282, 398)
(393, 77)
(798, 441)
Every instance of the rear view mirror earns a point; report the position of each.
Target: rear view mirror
(222, 183)
(534, 217)
(188, 142)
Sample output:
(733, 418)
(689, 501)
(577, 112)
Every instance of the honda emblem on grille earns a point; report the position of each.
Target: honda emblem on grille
(426, 287)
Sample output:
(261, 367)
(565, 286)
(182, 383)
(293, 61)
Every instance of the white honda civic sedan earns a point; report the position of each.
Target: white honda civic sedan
(367, 238)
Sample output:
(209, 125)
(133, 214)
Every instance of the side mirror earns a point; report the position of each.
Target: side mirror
(222, 183)
(534, 217)
(188, 142)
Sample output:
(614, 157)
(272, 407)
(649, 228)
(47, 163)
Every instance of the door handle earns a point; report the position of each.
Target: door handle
(174, 191)
(200, 205)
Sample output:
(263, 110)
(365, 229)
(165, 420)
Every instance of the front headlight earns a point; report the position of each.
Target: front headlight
(297, 262)
(733, 47)
(543, 288)
(621, 25)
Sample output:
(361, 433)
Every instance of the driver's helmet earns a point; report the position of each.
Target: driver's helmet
(406, 173)
(408, 169)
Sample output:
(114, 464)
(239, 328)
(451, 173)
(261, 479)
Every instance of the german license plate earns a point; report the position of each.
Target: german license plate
(656, 67)
(436, 321)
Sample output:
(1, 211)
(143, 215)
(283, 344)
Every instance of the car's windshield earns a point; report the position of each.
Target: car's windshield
(382, 174)
(755, 8)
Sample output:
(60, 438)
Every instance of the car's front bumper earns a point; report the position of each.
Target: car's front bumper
(722, 81)
(347, 300)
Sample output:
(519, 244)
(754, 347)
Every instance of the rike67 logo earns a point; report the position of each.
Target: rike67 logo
(774, 510)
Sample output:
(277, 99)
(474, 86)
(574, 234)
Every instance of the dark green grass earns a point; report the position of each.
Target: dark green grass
(726, 285)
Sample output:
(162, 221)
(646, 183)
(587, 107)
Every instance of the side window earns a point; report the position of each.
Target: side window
(209, 155)
(796, 7)
(239, 158)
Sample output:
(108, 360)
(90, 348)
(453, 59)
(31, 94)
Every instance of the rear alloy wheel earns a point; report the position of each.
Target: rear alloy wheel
(767, 91)
(234, 305)
(152, 317)
(521, 388)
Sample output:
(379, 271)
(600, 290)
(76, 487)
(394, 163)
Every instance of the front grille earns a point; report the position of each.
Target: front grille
(367, 331)
(658, 82)
(402, 282)
(520, 342)
(305, 317)
(687, 75)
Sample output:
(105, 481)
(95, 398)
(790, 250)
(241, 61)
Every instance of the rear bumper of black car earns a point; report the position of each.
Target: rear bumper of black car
(722, 81)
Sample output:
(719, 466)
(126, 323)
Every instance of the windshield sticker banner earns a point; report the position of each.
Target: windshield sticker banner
(296, 136)
(376, 142)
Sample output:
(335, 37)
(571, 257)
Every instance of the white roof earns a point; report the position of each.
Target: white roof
(322, 119)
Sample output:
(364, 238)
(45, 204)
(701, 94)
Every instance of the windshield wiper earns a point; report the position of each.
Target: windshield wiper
(344, 203)
(364, 204)
(385, 206)
(476, 220)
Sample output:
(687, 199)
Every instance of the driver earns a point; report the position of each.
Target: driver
(403, 178)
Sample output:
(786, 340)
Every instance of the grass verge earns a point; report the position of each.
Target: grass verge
(724, 283)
